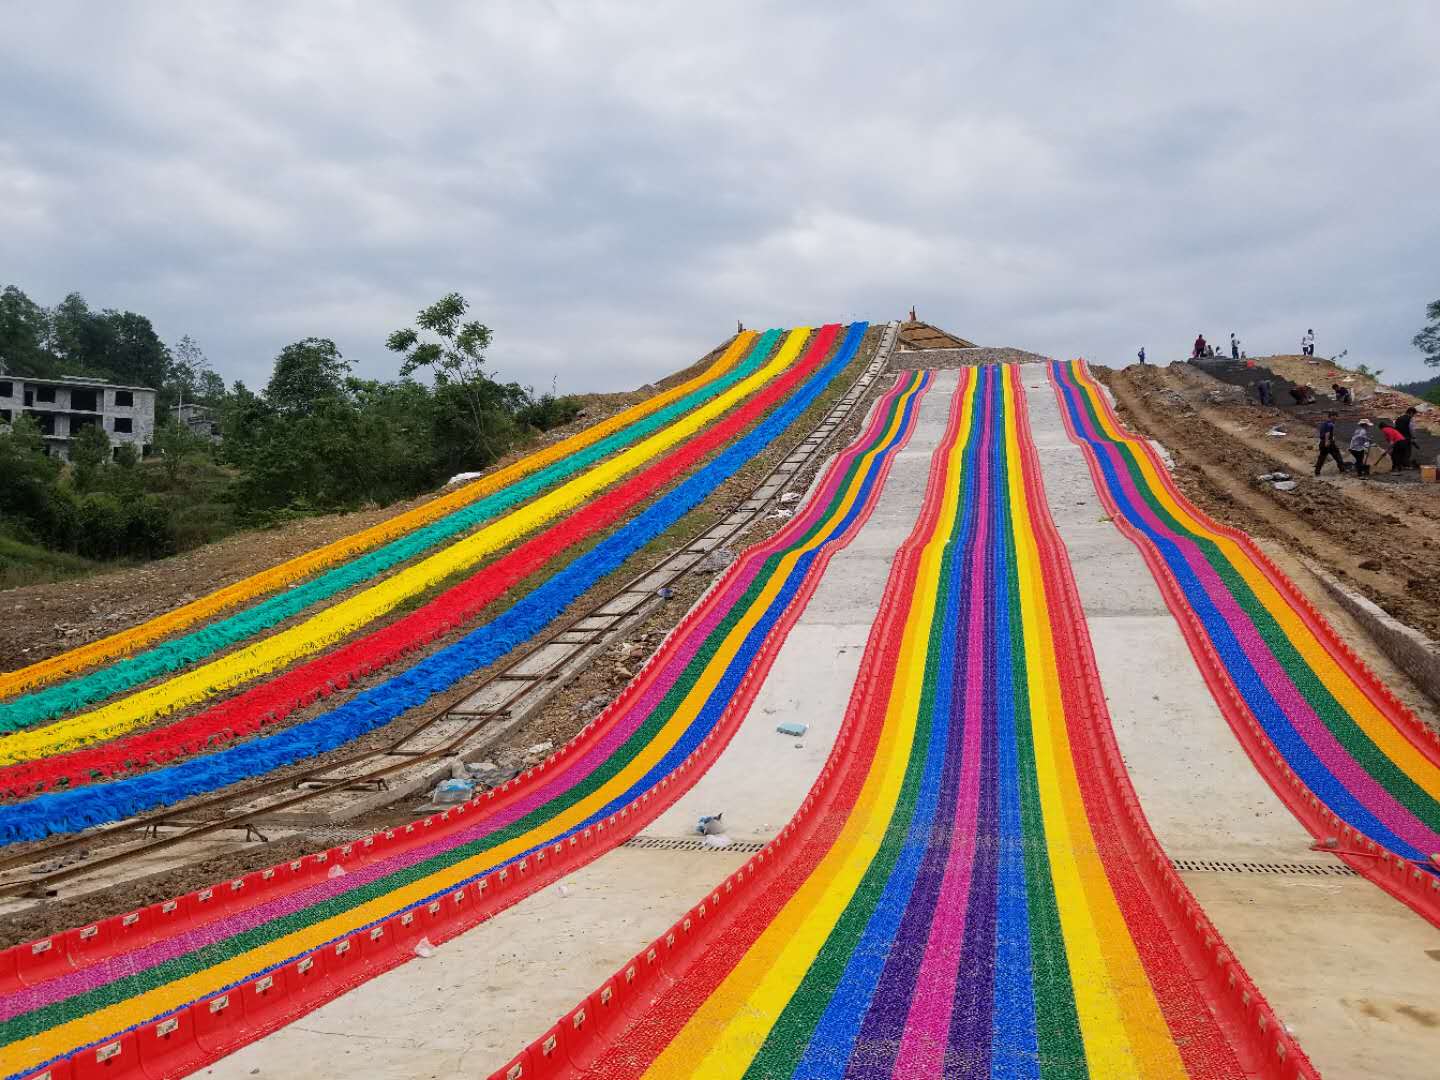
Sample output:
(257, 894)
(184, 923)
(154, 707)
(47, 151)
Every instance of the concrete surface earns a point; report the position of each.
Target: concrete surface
(1353, 972)
(484, 995)
(464, 1011)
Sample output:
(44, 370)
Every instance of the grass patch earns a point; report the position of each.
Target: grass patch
(28, 564)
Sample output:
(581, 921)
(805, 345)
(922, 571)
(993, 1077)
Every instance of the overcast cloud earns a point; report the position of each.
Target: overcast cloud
(613, 185)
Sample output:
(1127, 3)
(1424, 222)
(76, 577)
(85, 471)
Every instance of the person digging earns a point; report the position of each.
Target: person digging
(1360, 448)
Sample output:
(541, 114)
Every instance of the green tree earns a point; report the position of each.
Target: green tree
(178, 447)
(133, 352)
(1428, 339)
(307, 374)
(74, 335)
(477, 407)
(89, 453)
(24, 328)
(187, 366)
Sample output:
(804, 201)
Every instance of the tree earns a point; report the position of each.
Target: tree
(177, 445)
(73, 334)
(1428, 339)
(89, 452)
(23, 330)
(187, 366)
(307, 374)
(133, 352)
(456, 359)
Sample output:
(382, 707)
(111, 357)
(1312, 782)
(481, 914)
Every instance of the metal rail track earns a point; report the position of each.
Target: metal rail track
(522, 683)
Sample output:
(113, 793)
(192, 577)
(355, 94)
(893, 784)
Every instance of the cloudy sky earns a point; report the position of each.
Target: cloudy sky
(613, 185)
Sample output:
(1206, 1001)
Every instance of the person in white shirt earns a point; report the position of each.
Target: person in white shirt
(1360, 448)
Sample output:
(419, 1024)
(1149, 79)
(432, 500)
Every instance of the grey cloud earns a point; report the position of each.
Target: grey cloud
(612, 185)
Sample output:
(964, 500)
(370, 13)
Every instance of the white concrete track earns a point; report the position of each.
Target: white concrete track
(484, 995)
(1352, 972)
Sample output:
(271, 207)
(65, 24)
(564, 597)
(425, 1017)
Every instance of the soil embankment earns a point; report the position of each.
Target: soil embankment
(1381, 536)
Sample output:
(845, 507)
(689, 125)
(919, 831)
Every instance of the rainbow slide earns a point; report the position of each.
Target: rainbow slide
(1356, 767)
(970, 888)
(330, 625)
(47, 671)
(744, 355)
(162, 991)
(792, 392)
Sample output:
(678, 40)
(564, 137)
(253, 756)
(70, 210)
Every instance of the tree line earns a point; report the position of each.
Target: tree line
(315, 438)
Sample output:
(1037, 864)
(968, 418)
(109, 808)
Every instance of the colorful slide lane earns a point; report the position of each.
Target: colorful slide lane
(740, 360)
(1353, 764)
(779, 403)
(311, 635)
(970, 888)
(154, 999)
(47, 671)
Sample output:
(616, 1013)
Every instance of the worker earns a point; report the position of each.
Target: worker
(1199, 349)
(1327, 444)
(1141, 354)
(1360, 448)
(1402, 425)
(1397, 446)
(1307, 343)
(1234, 346)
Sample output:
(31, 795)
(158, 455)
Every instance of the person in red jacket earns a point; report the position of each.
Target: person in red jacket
(1399, 446)
(1199, 349)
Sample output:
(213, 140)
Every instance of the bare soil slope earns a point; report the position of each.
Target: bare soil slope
(1381, 536)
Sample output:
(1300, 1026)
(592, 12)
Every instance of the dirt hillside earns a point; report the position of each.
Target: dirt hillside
(1383, 535)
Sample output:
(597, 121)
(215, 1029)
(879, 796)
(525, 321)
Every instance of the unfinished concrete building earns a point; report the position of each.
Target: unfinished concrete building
(64, 407)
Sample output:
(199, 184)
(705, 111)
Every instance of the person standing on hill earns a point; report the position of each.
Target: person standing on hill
(1234, 346)
(1199, 350)
(1307, 343)
(1327, 445)
(1360, 448)
(1402, 425)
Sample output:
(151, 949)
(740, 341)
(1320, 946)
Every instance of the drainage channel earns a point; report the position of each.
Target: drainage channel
(1222, 866)
(675, 843)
